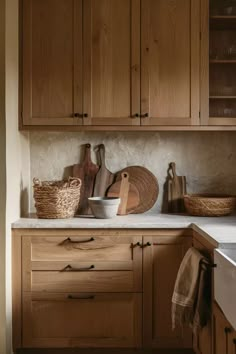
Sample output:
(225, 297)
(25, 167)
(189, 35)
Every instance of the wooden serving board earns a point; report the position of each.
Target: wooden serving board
(86, 171)
(176, 190)
(128, 194)
(146, 184)
(104, 177)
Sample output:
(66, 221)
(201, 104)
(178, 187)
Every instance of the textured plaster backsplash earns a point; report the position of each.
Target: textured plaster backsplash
(207, 159)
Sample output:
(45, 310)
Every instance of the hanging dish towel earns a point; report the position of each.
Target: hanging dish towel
(191, 297)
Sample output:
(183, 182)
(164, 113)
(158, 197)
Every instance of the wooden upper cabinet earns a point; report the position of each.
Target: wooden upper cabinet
(170, 42)
(50, 81)
(218, 63)
(111, 79)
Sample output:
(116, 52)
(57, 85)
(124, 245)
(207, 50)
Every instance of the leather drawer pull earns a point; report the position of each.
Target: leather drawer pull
(69, 268)
(89, 297)
(69, 240)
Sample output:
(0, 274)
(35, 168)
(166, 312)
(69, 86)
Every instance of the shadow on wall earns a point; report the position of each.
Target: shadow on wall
(24, 200)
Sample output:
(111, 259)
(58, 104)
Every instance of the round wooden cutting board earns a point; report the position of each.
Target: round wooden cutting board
(146, 184)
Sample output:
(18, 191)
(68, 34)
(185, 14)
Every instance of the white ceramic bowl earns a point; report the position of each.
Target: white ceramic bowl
(104, 208)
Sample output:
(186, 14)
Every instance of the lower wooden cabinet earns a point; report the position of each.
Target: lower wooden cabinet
(96, 288)
(224, 336)
(81, 320)
(162, 256)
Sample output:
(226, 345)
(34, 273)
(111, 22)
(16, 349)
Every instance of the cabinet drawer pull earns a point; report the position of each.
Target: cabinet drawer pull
(69, 268)
(89, 297)
(133, 245)
(145, 115)
(148, 244)
(69, 240)
(78, 115)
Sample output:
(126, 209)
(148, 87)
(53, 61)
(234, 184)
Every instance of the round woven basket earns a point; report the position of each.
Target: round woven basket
(209, 205)
(56, 199)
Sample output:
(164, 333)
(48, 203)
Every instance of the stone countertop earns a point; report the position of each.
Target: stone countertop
(220, 231)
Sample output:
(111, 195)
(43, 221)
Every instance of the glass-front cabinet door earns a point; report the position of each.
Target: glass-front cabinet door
(219, 62)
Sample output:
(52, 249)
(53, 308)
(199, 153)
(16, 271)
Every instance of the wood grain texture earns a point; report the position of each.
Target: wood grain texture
(170, 93)
(16, 292)
(48, 77)
(104, 177)
(87, 172)
(86, 281)
(103, 248)
(146, 184)
(128, 194)
(220, 336)
(111, 62)
(117, 128)
(160, 266)
(54, 320)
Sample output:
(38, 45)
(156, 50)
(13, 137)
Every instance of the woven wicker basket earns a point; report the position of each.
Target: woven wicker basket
(209, 205)
(56, 199)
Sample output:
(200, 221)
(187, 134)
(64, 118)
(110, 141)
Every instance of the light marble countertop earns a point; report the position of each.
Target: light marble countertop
(220, 231)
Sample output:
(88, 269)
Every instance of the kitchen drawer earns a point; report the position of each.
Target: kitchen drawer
(106, 264)
(86, 247)
(81, 281)
(82, 320)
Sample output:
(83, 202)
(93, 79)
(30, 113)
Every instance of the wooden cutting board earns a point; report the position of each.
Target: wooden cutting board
(86, 171)
(127, 192)
(104, 177)
(146, 184)
(176, 190)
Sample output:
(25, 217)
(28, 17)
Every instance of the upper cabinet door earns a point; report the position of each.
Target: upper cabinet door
(111, 78)
(50, 83)
(170, 62)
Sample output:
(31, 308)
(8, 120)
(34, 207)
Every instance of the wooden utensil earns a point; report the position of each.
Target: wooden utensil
(86, 171)
(127, 192)
(104, 177)
(176, 190)
(146, 184)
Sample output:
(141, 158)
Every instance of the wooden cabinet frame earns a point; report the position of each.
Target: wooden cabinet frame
(151, 52)
(206, 120)
(142, 270)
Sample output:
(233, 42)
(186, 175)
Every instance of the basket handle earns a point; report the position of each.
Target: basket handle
(74, 181)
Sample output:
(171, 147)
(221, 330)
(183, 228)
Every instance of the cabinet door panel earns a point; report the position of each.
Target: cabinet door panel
(111, 62)
(170, 62)
(48, 61)
(161, 264)
(88, 320)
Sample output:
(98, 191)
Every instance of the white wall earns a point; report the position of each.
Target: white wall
(2, 180)
(17, 148)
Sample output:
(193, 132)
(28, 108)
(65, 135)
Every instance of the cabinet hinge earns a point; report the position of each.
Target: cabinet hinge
(199, 114)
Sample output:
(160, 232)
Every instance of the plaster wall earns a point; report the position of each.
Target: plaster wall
(207, 159)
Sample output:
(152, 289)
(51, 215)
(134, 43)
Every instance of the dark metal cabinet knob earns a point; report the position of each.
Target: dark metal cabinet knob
(228, 330)
(85, 115)
(78, 115)
(145, 115)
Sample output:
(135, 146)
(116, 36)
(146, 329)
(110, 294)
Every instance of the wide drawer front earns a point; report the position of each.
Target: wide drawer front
(82, 320)
(81, 248)
(73, 281)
